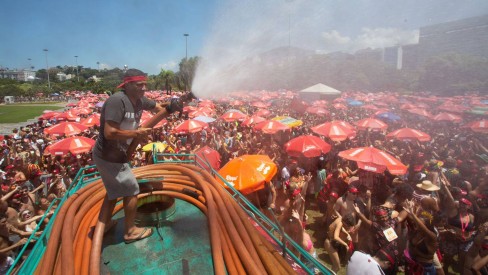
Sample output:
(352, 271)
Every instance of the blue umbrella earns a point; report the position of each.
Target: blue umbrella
(205, 119)
(389, 116)
(354, 103)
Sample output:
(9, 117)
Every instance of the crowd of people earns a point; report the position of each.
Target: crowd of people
(430, 220)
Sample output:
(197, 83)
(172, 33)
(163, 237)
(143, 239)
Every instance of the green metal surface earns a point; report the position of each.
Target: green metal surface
(181, 245)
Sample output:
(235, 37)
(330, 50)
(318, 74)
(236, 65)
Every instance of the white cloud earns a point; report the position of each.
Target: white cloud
(104, 66)
(171, 65)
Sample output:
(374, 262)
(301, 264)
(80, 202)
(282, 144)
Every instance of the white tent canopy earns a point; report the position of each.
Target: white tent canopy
(321, 89)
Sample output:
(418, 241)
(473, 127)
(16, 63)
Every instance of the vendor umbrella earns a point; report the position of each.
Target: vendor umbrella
(91, 120)
(317, 110)
(154, 146)
(409, 134)
(262, 112)
(205, 156)
(73, 145)
(190, 126)
(205, 119)
(307, 146)
(447, 117)
(271, 126)
(66, 116)
(233, 116)
(371, 123)
(480, 126)
(65, 128)
(334, 130)
(248, 173)
(374, 160)
(252, 120)
(388, 116)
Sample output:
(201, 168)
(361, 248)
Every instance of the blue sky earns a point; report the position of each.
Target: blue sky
(148, 34)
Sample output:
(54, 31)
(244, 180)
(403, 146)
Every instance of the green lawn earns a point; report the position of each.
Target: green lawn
(21, 113)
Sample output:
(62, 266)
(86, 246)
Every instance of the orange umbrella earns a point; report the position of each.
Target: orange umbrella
(271, 126)
(334, 130)
(447, 117)
(190, 126)
(371, 123)
(374, 160)
(248, 173)
(65, 128)
(408, 133)
(73, 145)
(92, 120)
(307, 146)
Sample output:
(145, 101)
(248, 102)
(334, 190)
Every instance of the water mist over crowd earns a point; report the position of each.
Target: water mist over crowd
(244, 29)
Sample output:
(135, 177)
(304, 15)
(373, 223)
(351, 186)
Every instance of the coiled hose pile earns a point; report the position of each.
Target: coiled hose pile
(237, 248)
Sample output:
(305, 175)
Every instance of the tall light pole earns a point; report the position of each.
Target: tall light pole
(98, 64)
(47, 70)
(77, 75)
(30, 63)
(186, 45)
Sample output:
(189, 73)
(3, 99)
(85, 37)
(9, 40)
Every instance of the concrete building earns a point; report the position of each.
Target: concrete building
(20, 75)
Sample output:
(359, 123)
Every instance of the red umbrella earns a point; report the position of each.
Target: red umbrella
(66, 116)
(408, 133)
(74, 145)
(447, 117)
(271, 126)
(92, 120)
(339, 106)
(189, 109)
(374, 160)
(206, 103)
(480, 126)
(259, 104)
(420, 112)
(208, 155)
(252, 120)
(200, 113)
(236, 103)
(233, 116)
(308, 146)
(371, 123)
(317, 110)
(48, 115)
(190, 126)
(408, 106)
(65, 128)
(334, 130)
(262, 112)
